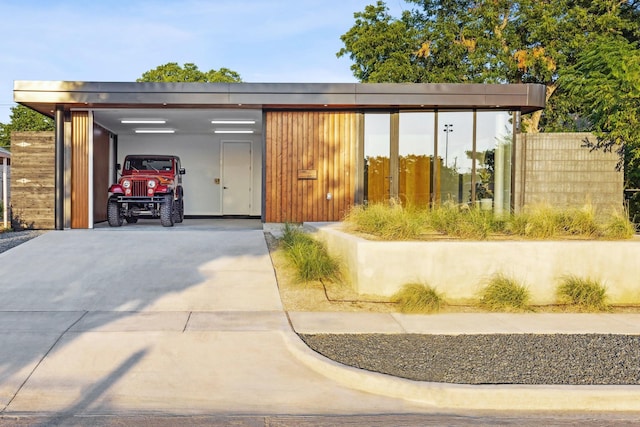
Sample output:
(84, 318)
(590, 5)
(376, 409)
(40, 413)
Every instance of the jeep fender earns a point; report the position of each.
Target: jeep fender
(116, 189)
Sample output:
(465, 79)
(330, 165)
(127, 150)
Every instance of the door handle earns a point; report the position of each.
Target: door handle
(225, 187)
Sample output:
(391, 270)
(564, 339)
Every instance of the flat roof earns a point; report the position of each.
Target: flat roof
(43, 96)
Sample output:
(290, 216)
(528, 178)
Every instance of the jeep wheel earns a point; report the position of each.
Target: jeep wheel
(179, 211)
(113, 214)
(166, 211)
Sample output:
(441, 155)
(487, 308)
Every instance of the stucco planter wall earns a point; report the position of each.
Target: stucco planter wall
(459, 269)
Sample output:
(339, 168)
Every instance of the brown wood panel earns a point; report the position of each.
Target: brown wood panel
(310, 141)
(33, 180)
(414, 176)
(100, 173)
(80, 169)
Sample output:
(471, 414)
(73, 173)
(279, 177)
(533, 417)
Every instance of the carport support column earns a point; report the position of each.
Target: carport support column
(59, 168)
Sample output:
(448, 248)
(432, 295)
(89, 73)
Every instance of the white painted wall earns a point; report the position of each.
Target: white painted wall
(200, 156)
(460, 269)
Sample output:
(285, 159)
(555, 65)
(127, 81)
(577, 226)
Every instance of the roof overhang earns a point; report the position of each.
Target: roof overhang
(43, 96)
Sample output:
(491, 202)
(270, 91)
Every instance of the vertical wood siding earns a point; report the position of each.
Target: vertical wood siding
(80, 170)
(298, 143)
(100, 173)
(32, 179)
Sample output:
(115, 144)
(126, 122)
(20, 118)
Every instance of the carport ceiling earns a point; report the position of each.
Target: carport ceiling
(183, 121)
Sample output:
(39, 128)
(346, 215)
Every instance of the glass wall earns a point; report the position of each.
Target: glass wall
(493, 168)
(455, 148)
(408, 158)
(377, 153)
(415, 158)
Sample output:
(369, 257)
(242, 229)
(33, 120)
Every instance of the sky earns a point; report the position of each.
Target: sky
(118, 40)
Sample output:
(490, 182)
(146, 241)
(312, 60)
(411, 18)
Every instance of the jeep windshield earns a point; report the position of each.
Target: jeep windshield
(143, 164)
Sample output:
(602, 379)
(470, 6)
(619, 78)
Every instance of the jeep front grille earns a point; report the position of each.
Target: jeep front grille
(139, 188)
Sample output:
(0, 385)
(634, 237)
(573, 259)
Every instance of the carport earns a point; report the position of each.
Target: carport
(281, 152)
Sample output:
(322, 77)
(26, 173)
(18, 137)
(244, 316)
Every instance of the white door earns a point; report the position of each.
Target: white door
(236, 178)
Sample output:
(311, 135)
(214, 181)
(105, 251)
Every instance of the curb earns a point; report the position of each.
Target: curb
(623, 398)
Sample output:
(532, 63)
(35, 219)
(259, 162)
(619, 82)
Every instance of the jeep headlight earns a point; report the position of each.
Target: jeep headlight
(126, 183)
(151, 184)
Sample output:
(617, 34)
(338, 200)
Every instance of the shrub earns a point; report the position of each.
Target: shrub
(504, 294)
(389, 221)
(618, 226)
(537, 222)
(418, 298)
(308, 256)
(583, 294)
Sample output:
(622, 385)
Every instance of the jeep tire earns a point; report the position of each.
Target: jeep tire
(179, 211)
(114, 216)
(166, 211)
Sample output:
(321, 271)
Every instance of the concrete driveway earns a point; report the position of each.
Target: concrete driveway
(144, 319)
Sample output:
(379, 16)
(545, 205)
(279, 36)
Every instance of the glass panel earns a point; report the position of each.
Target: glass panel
(377, 143)
(493, 167)
(416, 158)
(455, 148)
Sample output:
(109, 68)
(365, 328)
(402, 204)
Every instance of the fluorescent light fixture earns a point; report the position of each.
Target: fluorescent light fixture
(233, 122)
(144, 121)
(155, 131)
(232, 131)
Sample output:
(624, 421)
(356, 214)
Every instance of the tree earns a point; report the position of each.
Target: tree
(23, 119)
(173, 72)
(497, 41)
(606, 80)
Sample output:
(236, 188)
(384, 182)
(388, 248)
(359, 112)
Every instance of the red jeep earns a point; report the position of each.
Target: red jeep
(149, 185)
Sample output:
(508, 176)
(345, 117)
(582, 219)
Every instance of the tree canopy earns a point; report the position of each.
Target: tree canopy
(605, 81)
(497, 41)
(23, 119)
(189, 73)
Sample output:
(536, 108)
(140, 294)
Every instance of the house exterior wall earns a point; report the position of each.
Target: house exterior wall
(556, 169)
(311, 165)
(32, 179)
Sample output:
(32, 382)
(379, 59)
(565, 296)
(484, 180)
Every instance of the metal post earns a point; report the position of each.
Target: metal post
(448, 128)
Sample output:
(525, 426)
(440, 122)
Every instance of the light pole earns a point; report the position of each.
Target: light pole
(448, 128)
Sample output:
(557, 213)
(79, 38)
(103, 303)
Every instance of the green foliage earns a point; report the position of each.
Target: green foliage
(173, 72)
(308, 256)
(524, 41)
(23, 119)
(504, 294)
(583, 294)
(605, 82)
(418, 298)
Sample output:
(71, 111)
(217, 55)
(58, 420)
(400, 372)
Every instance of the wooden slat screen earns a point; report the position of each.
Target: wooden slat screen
(80, 170)
(299, 143)
(32, 180)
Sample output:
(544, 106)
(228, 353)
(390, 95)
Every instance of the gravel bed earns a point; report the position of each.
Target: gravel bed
(11, 239)
(586, 359)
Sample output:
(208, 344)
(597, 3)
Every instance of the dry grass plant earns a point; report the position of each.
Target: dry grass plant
(308, 256)
(503, 293)
(583, 294)
(418, 298)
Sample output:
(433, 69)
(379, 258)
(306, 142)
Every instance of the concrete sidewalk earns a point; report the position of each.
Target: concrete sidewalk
(188, 320)
(465, 323)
